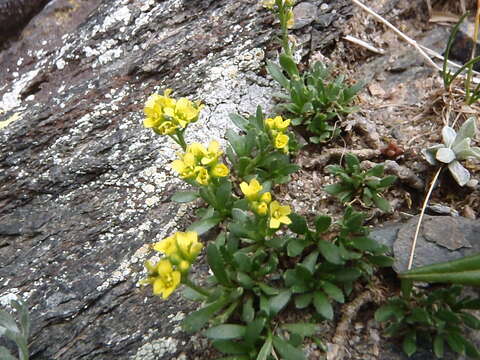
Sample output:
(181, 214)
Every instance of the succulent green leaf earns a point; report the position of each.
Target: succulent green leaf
(184, 196)
(330, 252)
(467, 130)
(322, 305)
(322, 223)
(333, 291)
(196, 320)
(217, 264)
(303, 300)
(456, 342)
(302, 329)
(459, 173)
(448, 136)
(439, 346)
(278, 302)
(239, 121)
(445, 155)
(266, 349)
(298, 225)
(286, 350)
(254, 330)
(410, 343)
(225, 332)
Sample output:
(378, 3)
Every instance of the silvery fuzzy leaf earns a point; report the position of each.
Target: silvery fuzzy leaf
(448, 135)
(429, 153)
(460, 148)
(475, 152)
(445, 155)
(459, 173)
(467, 130)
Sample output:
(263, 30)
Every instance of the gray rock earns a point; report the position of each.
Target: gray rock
(305, 13)
(441, 238)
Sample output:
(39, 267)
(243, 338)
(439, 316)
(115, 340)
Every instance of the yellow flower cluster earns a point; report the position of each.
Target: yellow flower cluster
(166, 115)
(181, 249)
(200, 163)
(262, 204)
(277, 127)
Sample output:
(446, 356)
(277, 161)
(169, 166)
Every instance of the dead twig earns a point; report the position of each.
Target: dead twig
(399, 33)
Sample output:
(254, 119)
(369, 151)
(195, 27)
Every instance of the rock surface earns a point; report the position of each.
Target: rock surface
(83, 186)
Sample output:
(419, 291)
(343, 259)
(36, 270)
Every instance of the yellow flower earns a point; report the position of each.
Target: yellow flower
(186, 166)
(290, 2)
(186, 111)
(261, 208)
(202, 175)
(281, 142)
(167, 246)
(277, 123)
(279, 215)
(198, 150)
(163, 278)
(220, 170)
(290, 19)
(212, 154)
(251, 190)
(167, 280)
(167, 128)
(266, 197)
(184, 266)
(188, 245)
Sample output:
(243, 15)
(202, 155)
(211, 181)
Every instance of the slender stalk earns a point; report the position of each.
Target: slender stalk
(474, 47)
(417, 230)
(187, 282)
(181, 140)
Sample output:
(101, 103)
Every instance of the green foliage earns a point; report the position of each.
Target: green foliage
(464, 271)
(356, 183)
(253, 152)
(448, 78)
(455, 147)
(437, 317)
(314, 99)
(16, 331)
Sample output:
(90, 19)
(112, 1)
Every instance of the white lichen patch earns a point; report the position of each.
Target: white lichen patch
(156, 349)
(11, 99)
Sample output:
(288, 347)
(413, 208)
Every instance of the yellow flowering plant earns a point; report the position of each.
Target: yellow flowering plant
(171, 117)
(263, 150)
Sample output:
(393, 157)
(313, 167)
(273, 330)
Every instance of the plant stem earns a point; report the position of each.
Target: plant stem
(187, 282)
(474, 47)
(181, 140)
(417, 230)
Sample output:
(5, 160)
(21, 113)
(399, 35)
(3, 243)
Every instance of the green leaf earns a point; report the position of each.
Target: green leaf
(347, 274)
(381, 203)
(351, 161)
(237, 142)
(381, 260)
(334, 189)
(243, 261)
(456, 342)
(388, 311)
(295, 247)
(310, 261)
(215, 260)
(465, 271)
(330, 252)
(248, 312)
(276, 73)
(268, 290)
(239, 121)
(266, 349)
(322, 305)
(410, 343)
(288, 64)
(278, 302)
(471, 321)
(387, 181)
(225, 332)
(254, 330)
(230, 347)
(438, 346)
(333, 291)
(244, 280)
(322, 223)
(303, 300)
(298, 225)
(184, 196)
(202, 226)
(287, 351)
(196, 320)
(365, 244)
(302, 329)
